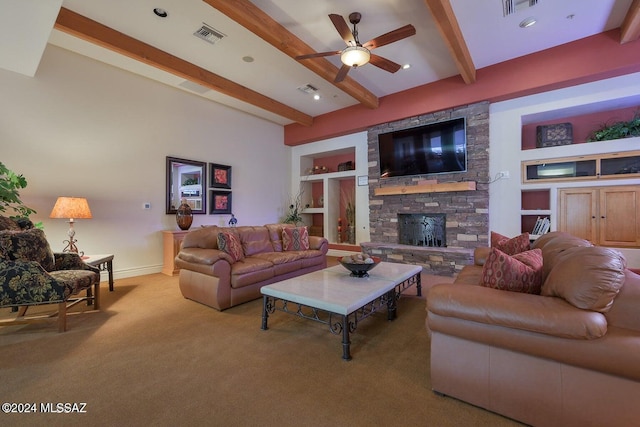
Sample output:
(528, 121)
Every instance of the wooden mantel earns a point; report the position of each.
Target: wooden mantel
(426, 188)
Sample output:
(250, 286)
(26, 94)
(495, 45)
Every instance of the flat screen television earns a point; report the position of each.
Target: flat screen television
(430, 149)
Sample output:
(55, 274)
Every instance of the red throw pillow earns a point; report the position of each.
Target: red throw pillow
(510, 246)
(230, 244)
(518, 273)
(295, 238)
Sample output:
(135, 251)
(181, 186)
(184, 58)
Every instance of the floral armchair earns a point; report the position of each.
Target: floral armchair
(31, 274)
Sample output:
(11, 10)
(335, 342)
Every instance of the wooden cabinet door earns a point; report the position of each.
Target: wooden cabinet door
(619, 219)
(578, 212)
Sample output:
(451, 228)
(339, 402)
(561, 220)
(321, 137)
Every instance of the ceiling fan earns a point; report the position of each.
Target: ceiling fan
(357, 54)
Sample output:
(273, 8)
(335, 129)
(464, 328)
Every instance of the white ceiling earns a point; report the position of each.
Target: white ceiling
(490, 38)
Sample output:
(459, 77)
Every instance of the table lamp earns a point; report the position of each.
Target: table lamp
(72, 208)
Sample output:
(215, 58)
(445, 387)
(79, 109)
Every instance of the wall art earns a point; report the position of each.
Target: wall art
(220, 176)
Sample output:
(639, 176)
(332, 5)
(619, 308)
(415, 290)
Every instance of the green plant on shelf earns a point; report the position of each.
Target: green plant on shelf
(294, 214)
(349, 206)
(617, 130)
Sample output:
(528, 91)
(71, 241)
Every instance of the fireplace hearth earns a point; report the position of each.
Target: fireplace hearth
(425, 229)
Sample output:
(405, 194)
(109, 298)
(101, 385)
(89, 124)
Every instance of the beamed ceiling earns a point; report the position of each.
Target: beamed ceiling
(253, 67)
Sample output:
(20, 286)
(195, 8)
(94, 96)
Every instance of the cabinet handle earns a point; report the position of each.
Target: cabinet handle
(593, 217)
(602, 217)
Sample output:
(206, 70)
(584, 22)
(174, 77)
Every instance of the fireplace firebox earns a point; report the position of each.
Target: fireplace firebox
(426, 229)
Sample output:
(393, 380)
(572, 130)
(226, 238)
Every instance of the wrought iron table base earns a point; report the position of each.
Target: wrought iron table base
(345, 324)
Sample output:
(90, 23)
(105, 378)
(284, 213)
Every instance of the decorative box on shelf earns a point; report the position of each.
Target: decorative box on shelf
(553, 135)
(346, 166)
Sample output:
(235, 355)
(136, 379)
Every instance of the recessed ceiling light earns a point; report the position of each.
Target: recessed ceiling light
(316, 97)
(526, 23)
(406, 66)
(247, 58)
(160, 12)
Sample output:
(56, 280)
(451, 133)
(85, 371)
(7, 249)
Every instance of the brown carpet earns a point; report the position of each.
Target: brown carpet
(150, 357)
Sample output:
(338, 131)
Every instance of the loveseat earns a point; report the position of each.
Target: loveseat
(226, 266)
(563, 353)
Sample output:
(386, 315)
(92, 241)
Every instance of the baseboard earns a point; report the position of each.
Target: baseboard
(131, 272)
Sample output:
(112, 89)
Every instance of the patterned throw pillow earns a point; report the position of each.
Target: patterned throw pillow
(295, 239)
(230, 244)
(27, 245)
(510, 246)
(518, 273)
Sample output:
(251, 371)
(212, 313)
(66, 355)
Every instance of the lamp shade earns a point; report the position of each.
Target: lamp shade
(71, 207)
(355, 56)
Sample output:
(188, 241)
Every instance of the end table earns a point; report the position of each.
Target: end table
(104, 262)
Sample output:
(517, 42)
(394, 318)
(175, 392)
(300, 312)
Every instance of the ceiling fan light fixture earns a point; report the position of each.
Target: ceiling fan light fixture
(355, 56)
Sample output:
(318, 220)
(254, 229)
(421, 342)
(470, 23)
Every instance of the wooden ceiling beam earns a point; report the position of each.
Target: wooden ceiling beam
(630, 29)
(94, 32)
(255, 20)
(447, 23)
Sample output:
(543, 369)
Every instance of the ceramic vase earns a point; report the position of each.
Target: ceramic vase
(184, 216)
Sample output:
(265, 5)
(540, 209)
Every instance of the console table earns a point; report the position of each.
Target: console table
(104, 262)
(171, 241)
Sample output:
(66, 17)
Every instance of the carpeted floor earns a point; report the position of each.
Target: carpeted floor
(150, 357)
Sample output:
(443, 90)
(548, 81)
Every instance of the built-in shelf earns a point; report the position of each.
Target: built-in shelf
(426, 188)
(326, 193)
(327, 175)
(612, 165)
(313, 211)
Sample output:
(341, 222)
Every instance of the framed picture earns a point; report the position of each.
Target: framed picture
(220, 176)
(186, 182)
(220, 202)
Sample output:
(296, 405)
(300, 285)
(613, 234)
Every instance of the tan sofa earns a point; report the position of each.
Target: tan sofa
(541, 359)
(210, 276)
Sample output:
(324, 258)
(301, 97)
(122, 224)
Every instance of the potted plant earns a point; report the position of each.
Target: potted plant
(350, 213)
(10, 202)
(294, 215)
(617, 130)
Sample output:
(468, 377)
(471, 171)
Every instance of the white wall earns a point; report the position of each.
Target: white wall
(82, 128)
(506, 123)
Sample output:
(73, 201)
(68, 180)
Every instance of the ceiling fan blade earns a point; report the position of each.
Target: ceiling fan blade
(319, 54)
(384, 63)
(343, 29)
(342, 73)
(391, 36)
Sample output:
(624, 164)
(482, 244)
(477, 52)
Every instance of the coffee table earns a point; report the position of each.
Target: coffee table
(333, 297)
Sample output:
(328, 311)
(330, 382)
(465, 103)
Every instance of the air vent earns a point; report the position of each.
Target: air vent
(308, 89)
(208, 34)
(509, 7)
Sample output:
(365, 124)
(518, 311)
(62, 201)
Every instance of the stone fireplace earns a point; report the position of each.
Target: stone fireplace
(426, 229)
(465, 213)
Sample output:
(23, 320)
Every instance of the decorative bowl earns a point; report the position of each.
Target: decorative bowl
(360, 269)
